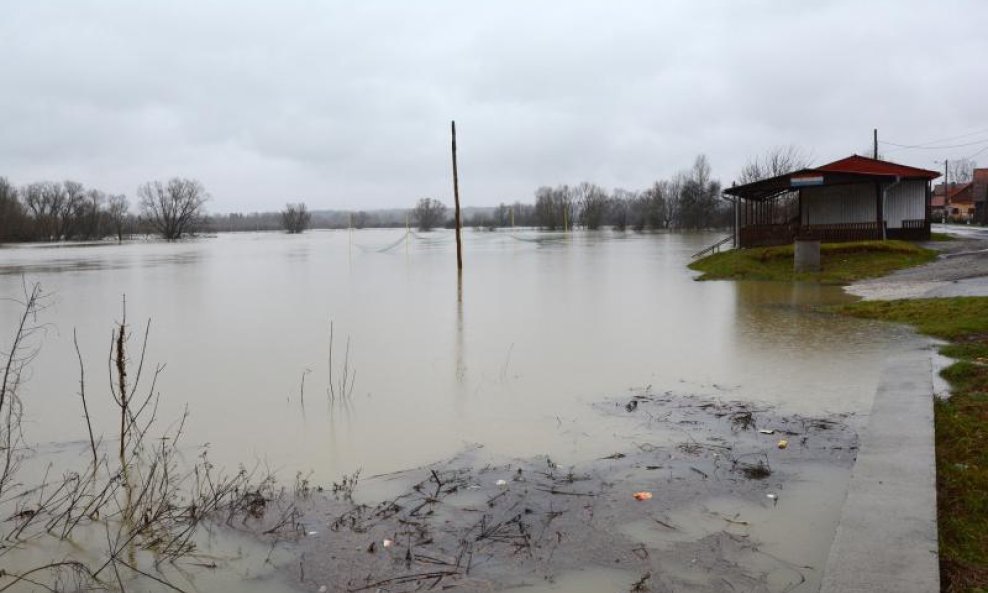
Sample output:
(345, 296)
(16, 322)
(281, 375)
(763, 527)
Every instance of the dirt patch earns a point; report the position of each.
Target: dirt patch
(476, 524)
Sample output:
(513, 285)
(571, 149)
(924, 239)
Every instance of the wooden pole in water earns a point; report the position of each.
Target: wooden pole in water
(456, 198)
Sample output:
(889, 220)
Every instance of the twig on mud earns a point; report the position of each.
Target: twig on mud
(566, 492)
(640, 585)
(408, 578)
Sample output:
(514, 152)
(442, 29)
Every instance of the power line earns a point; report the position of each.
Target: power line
(940, 147)
(977, 153)
(947, 139)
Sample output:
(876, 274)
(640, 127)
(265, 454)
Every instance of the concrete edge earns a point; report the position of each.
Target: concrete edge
(886, 539)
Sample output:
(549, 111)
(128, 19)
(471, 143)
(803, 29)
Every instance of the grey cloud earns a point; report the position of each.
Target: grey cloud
(348, 104)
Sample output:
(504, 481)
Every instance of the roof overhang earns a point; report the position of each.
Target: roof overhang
(767, 189)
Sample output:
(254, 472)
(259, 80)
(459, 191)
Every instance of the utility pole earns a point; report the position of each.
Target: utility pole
(876, 144)
(456, 198)
(946, 172)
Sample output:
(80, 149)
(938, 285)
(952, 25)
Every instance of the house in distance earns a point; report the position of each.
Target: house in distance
(854, 199)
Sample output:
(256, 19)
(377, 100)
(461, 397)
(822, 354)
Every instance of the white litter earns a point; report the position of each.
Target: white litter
(502, 483)
(767, 431)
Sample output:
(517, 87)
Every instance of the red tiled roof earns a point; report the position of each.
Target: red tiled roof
(865, 165)
(961, 193)
(957, 189)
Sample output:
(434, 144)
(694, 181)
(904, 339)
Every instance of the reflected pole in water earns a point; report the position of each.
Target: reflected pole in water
(461, 366)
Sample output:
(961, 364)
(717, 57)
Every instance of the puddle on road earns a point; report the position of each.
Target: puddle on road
(799, 525)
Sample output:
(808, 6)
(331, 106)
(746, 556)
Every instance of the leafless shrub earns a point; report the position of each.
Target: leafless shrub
(146, 501)
(343, 390)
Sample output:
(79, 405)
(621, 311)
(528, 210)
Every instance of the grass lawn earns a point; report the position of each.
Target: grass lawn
(841, 263)
(961, 430)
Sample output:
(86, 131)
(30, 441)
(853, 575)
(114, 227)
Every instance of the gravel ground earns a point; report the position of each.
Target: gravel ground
(961, 270)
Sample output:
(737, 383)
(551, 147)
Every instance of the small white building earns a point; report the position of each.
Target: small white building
(853, 199)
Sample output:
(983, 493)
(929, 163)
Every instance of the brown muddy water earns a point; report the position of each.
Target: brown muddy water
(516, 358)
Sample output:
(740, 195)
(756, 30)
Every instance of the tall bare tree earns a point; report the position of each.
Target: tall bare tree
(13, 220)
(961, 170)
(116, 214)
(48, 204)
(295, 218)
(777, 161)
(554, 207)
(592, 201)
(173, 209)
(698, 198)
(428, 214)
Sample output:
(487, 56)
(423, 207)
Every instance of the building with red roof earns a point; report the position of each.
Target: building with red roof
(979, 192)
(852, 199)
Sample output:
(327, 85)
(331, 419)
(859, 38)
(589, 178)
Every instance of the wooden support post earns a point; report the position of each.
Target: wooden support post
(456, 198)
(878, 209)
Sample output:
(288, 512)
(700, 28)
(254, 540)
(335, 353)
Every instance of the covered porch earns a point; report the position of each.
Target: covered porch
(854, 199)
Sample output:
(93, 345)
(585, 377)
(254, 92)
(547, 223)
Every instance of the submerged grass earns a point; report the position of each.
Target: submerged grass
(961, 429)
(841, 263)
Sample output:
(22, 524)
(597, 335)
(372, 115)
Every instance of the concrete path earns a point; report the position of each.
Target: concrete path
(961, 270)
(887, 537)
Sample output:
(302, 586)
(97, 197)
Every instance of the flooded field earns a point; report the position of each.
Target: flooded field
(516, 358)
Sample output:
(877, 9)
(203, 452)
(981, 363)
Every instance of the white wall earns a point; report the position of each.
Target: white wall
(839, 203)
(905, 201)
(856, 203)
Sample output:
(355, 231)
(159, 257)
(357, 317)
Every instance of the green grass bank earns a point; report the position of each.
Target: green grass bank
(840, 263)
(961, 429)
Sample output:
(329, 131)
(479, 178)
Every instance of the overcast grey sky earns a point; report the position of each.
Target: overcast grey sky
(347, 104)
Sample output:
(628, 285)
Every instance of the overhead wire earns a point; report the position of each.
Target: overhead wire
(928, 143)
(940, 147)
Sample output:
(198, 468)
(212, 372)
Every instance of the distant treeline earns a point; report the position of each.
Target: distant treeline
(321, 219)
(53, 211)
(61, 211)
(690, 200)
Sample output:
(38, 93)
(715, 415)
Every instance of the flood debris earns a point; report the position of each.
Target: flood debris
(457, 526)
(641, 585)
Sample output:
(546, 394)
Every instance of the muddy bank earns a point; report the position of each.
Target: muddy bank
(736, 497)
